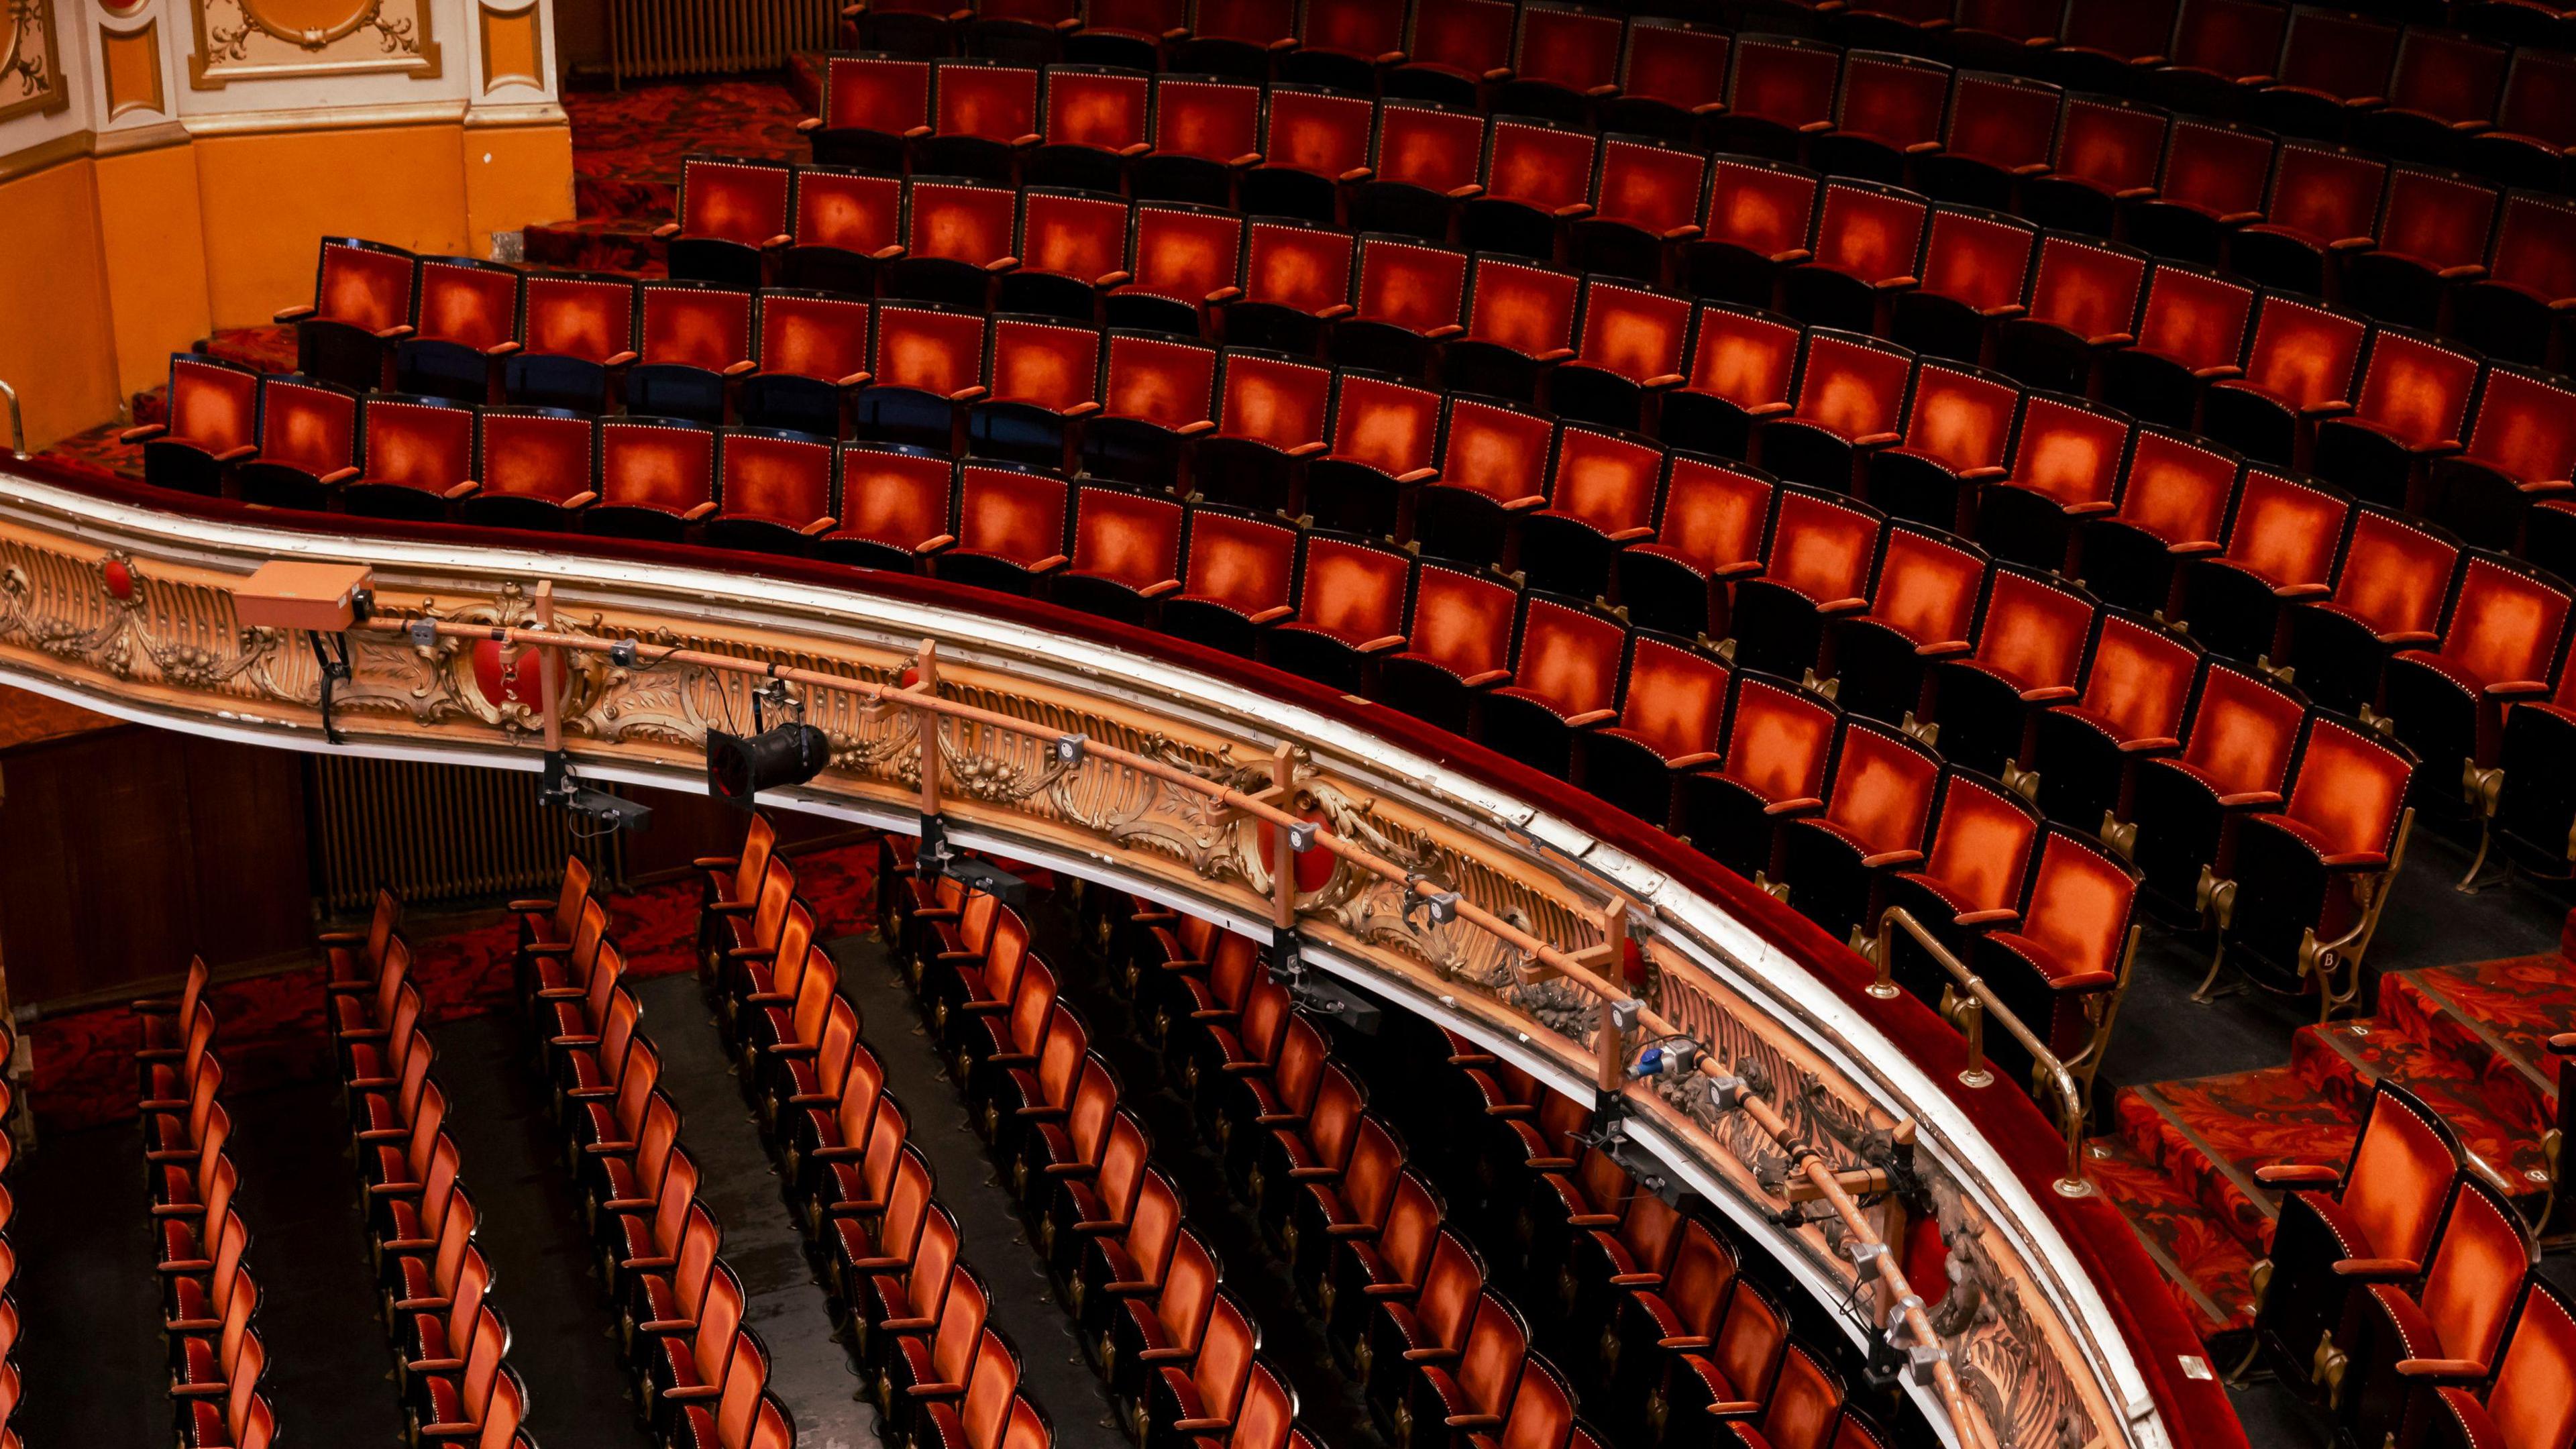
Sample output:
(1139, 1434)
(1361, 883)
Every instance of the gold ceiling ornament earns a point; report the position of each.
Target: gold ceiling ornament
(31, 66)
(281, 39)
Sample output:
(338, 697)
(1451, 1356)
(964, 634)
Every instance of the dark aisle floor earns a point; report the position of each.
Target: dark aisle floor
(990, 1235)
(784, 1303)
(89, 1344)
(563, 1336)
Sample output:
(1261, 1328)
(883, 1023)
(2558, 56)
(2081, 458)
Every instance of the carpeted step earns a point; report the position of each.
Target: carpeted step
(618, 244)
(2209, 1271)
(2343, 1061)
(2508, 1008)
(628, 144)
(2210, 1135)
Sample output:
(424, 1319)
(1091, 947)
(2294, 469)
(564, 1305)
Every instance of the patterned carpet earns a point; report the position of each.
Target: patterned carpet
(627, 147)
(272, 1026)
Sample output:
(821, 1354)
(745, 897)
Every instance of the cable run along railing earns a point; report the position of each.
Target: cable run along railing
(1900, 1309)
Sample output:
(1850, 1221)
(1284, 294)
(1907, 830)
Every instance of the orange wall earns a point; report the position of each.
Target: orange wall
(57, 346)
(269, 198)
(155, 246)
(515, 175)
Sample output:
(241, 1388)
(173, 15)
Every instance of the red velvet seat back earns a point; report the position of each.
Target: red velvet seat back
(1364, 29)
(1782, 80)
(2230, 38)
(2395, 576)
(2081, 902)
(2336, 55)
(645, 463)
(2350, 788)
(1307, 268)
(1977, 258)
(1568, 47)
(735, 201)
(1186, 253)
(811, 336)
(2084, 287)
(2195, 318)
(532, 455)
(1462, 37)
(983, 100)
(1566, 657)
(589, 318)
(1241, 562)
(1273, 400)
(2133, 34)
(2032, 633)
(844, 209)
(937, 352)
(1527, 308)
(1161, 381)
(1133, 538)
(417, 445)
(2532, 1401)
(2019, 21)
(1927, 585)
(306, 426)
(1101, 109)
(1746, 358)
(2139, 680)
(1603, 479)
(2176, 490)
(2504, 624)
(1870, 232)
(2218, 169)
(1211, 120)
(1536, 165)
(2000, 120)
(2525, 426)
(1462, 621)
(1981, 844)
(781, 480)
(1653, 188)
(1821, 547)
(367, 287)
(708, 327)
(1494, 450)
(1353, 591)
(2539, 99)
(1409, 285)
(1675, 701)
(875, 93)
(2242, 731)
(2325, 192)
(1852, 385)
(1894, 99)
(1046, 364)
(2072, 454)
(1750, 1340)
(1961, 415)
(1805, 1401)
(955, 222)
(1766, 210)
(1437, 150)
(1066, 235)
(1633, 332)
(2416, 389)
(2446, 75)
(2286, 531)
(1778, 740)
(1678, 65)
(894, 498)
(2438, 219)
(2303, 353)
(1713, 516)
(1882, 787)
(1385, 424)
(1147, 19)
(2535, 249)
(1317, 132)
(471, 306)
(2113, 146)
(2399, 1178)
(1009, 514)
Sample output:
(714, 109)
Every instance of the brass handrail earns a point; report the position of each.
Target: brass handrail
(1981, 1003)
(1899, 1303)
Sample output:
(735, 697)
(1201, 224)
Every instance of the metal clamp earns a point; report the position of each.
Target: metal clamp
(1069, 750)
(1726, 1093)
(424, 633)
(622, 653)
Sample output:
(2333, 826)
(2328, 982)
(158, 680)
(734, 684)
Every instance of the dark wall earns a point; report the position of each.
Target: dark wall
(128, 849)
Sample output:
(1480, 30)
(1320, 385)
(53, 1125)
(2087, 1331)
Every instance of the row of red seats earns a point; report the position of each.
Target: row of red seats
(939, 1373)
(450, 1342)
(701, 1374)
(2404, 1298)
(208, 1294)
(10, 1384)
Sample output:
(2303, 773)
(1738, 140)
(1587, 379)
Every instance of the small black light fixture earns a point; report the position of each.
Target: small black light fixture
(739, 767)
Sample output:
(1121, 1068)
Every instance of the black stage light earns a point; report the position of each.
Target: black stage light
(740, 767)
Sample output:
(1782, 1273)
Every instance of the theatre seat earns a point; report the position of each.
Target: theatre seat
(2502, 636)
(1816, 567)
(214, 423)
(1869, 240)
(1072, 250)
(361, 310)
(958, 237)
(2331, 64)
(1771, 769)
(1958, 436)
(1850, 403)
(2086, 753)
(308, 443)
(875, 108)
(2301, 367)
(2444, 88)
(1094, 124)
(2175, 494)
(1779, 92)
(1042, 379)
(1738, 1365)
(2530, 1389)
(1313, 144)
(581, 338)
(1645, 202)
(779, 490)
(1296, 282)
(1010, 527)
(1429, 159)
(540, 468)
(2083, 304)
(2066, 465)
(1564, 59)
(1385, 444)
(1878, 803)
(657, 476)
(1922, 609)
(1971, 882)
(2223, 52)
(1451, 48)
(2034, 634)
(1520, 326)
(2281, 546)
(693, 341)
(984, 117)
(415, 455)
(2390, 588)
(1206, 133)
(1241, 580)
(1760, 220)
(2434, 230)
(1156, 395)
(734, 217)
(2106, 156)
(1343, 44)
(2322, 203)
(2000, 128)
(2411, 411)
(2515, 468)
(1493, 472)
(1744, 368)
(1566, 675)
(1671, 721)
(2444, 1319)
(466, 321)
(1631, 347)
(2113, 47)
(2191, 335)
(1709, 532)
(813, 359)
(1272, 415)
(1187, 260)
(1352, 598)
(1600, 499)
(1131, 33)
(846, 225)
(1887, 111)
(1408, 299)
(894, 508)
(1975, 270)
(2064, 965)
(2308, 876)
(2212, 181)
(926, 366)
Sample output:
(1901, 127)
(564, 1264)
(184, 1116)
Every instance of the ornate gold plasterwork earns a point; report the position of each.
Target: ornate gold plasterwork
(278, 39)
(146, 621)
(31, 66)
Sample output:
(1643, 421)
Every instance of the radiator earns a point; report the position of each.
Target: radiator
(701, 37)
(438, 833)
